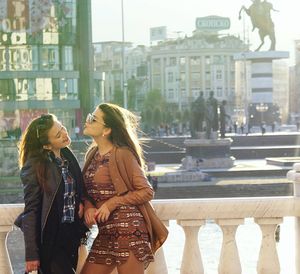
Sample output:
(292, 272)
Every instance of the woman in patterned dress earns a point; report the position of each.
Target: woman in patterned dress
(119, 195)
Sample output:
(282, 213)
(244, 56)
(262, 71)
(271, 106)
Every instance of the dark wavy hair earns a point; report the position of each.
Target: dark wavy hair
(124, 128)
(32, 144)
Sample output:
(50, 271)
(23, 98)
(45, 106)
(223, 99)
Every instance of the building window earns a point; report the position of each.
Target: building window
(21, 89)
(182, 61)
(49, 58)
(195, 76)
(170, 77)
(218, 59)
(219, 92)
(172, 61)
(207, 75)
(156, 65)
(43, 89)
(2, 59)
(171, 94)
(68, 58)
(195, 61)
(7, 90)
(182, 77)
(31, 89)
(219, 74)
(207, 60)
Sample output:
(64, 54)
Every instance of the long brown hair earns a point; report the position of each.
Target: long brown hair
(124, 128)
(32, 144)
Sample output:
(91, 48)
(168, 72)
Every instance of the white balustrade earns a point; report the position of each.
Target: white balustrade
(159, 265)
(5, 266)
(191, 214)
(268, 262)
(191, 260)
(229, 259)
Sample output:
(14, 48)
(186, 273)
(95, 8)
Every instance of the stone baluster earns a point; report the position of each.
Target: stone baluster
(294, 176)
(159, 266)
(268, 261)
(5, 265)
(191, 260)
(229, 259)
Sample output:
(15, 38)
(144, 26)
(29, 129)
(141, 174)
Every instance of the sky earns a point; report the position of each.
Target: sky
(180, 16)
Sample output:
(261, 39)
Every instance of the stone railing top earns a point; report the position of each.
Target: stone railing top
(258, 207)
(187, 209)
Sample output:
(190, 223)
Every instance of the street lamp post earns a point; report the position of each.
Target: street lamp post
(124, 84)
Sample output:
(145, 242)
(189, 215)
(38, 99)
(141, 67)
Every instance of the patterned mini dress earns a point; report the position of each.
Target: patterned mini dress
(124, 231)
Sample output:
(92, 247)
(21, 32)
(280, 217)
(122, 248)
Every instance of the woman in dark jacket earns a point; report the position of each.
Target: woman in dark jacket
(53, 186)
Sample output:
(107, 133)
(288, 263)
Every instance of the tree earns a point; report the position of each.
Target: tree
(157, 117)
(186, 116)
(154, 99)
(118, 97)
(132, 93)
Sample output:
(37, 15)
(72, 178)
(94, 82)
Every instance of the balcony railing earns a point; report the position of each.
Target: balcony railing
(191, 214)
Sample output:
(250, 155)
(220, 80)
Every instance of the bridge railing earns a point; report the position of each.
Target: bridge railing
(191, 214)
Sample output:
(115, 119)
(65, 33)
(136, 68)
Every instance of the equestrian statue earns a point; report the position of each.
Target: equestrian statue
(260, 14)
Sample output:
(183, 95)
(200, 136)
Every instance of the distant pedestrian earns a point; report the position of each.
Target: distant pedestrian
(242, 128)
(249, 128)
(263, 128)
(273, 127)
(298, 125)
(235, 125)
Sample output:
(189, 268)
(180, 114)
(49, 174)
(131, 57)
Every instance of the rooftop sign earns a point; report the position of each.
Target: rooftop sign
(212, 23)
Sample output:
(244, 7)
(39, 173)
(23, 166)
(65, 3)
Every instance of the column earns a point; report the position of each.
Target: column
(268, 261)
(159, 266)
(229, 259)
(191, 260)
(5, 265)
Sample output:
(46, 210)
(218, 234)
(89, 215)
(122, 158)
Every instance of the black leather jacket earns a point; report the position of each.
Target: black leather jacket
(38, 202)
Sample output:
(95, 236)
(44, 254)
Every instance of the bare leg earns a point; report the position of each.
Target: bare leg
(132, 266)
(90, 268)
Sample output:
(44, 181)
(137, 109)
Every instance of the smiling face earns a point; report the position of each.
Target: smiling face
(58, 138)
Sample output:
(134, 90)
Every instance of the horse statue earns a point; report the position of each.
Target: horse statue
(260, 14)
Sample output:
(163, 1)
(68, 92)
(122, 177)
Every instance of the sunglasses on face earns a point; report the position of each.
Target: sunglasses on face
(90, 118)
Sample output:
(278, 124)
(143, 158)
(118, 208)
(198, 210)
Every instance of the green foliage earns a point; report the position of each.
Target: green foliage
(186, 116)
(118, 97)
(154, 99)
(157, 116)
(132, 93)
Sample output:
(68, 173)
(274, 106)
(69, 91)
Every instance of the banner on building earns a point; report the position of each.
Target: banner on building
(212, 23)
(30, 16)
(158, 33)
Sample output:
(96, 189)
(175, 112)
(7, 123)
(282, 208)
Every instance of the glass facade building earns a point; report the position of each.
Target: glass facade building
(40, 66)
